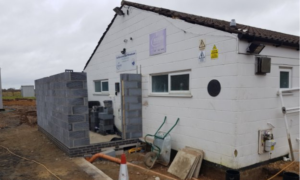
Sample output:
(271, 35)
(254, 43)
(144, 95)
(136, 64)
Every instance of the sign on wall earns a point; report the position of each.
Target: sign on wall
(157, 42)
(202, 56)
(126, 62)
(214, 54)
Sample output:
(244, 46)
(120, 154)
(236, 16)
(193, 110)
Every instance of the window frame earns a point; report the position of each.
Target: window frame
(289, 70)
(178, 92)
(170, 93)
(101, 87)
(102, 81)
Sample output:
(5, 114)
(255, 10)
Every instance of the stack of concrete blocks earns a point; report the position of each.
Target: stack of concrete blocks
(62, 108)
(132, 105)
(1, 103)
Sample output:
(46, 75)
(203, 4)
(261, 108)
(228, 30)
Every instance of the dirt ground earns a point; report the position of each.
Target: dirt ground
(26, 141)
(21, 136)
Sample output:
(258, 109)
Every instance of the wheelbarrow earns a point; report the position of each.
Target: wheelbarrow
(160, 148)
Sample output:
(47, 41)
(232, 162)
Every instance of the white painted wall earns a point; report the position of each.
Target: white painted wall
(1, 102)
(259, 104)
(27, 91)
(213, 124)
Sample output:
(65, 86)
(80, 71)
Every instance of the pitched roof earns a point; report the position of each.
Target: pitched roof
(244, 32)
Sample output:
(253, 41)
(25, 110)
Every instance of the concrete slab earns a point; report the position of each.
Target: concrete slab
(182, 164)
(91, 169)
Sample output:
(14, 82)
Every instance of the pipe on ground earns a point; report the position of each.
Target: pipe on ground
(117, 160)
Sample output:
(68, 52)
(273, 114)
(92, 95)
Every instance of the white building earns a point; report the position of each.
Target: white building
(186, 52)
(27, 91)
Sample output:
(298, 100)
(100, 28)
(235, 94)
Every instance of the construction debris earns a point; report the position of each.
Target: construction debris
(187, 163)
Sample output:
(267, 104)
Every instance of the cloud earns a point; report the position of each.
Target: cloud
(40, 38)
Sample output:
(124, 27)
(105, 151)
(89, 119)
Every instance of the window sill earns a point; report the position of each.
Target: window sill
(287, 93)
(171, 95)
(101, 94)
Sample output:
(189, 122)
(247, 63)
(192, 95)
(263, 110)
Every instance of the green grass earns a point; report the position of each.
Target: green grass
(14, 95)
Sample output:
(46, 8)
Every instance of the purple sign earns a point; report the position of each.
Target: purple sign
(157, 42)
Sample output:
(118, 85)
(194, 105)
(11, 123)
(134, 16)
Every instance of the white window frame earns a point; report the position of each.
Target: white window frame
(171, 93)
(101, 90)
(179, 92)
(289, 70)
(102, 86)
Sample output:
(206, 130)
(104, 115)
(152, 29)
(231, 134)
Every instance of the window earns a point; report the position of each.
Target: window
(101, 86)
(285, 78)
(171, 83)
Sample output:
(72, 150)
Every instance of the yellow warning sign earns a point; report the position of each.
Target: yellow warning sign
(202, 45)
(214, 54)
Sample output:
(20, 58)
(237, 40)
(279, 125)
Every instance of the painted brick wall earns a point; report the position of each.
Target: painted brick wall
(214, 124)
(258, 104)
(62, 107)
(205, 122)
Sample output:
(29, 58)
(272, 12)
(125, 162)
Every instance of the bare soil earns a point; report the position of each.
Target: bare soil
(25, 140)
(19, 133)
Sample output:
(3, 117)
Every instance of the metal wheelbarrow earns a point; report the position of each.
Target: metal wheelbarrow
(160, 148)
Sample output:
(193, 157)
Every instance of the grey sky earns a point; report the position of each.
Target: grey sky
(40, 38)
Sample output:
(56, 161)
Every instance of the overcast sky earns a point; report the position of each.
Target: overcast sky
(39, 38)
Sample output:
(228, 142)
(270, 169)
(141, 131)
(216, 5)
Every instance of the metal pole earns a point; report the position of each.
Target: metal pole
(286, 126)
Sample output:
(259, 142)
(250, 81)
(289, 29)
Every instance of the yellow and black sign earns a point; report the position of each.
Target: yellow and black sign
(214, 54)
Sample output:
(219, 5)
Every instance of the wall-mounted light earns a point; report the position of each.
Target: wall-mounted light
(123, 51)
(255, 48)
(119, 11)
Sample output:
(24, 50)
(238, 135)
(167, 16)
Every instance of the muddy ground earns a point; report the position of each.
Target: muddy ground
(21, 136)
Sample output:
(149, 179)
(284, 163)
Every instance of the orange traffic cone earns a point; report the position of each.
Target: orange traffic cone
(123, 175)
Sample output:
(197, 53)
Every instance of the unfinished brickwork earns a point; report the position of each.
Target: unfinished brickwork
(62, 109)
(132, 105)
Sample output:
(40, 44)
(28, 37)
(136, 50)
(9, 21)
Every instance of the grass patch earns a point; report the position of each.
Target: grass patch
(14, 95)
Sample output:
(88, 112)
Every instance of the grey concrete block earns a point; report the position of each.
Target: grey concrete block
(132, 99)
(76, 118)
(134, 77)
(81, 142)
(75, 101)
(133, 114)
(135, 92)
(124, 77)
(78, 76)
(110, 152)
(80, 109)
(129, 84)
(132, 106)
(137, 120)
(134, 135)
(133, 128)
(80, 126)
(77, 134)
(76, 93)
(74, 85)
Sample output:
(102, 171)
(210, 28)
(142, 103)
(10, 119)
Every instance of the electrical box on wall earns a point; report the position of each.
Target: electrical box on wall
(266, 142)
(262, 65)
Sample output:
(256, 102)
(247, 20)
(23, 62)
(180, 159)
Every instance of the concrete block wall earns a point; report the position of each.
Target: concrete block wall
(62, 108)
(132, 105)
